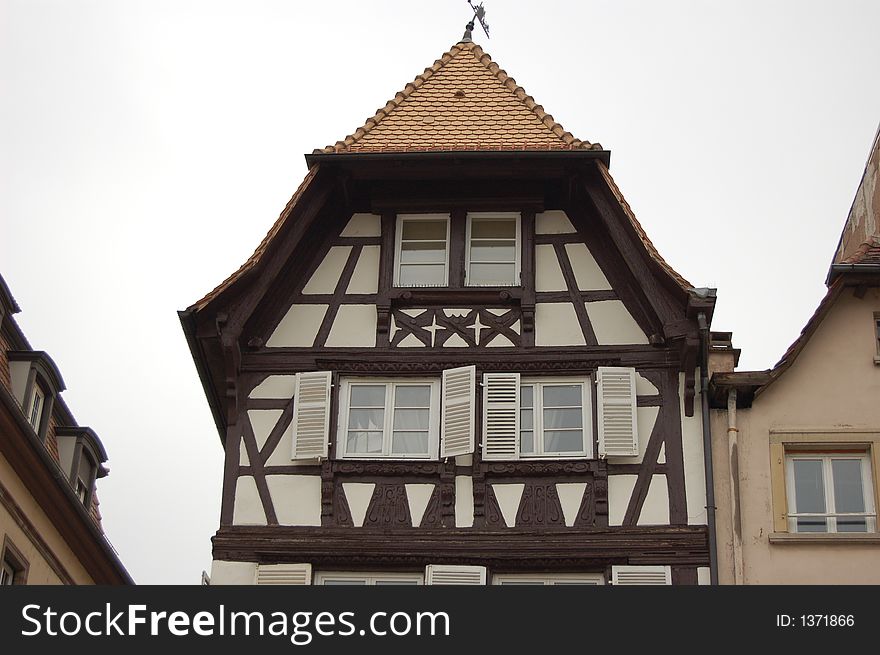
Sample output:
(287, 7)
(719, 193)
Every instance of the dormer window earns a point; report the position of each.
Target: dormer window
(35, 411)
(493, 249)
(81, 455)
(422, 255)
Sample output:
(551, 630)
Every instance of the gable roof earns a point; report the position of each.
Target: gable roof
(464, 101)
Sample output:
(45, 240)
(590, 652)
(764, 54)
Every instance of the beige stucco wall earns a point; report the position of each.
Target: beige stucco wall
(831, 391)
(39, 570)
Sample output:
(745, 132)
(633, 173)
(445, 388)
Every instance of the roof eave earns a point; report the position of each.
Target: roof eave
(422, 155)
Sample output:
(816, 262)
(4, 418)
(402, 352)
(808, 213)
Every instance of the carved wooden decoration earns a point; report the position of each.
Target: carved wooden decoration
(469, 327)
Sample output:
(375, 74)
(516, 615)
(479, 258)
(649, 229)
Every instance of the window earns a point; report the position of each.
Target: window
(386, 418)
(877, 337)
(35, 411)
(369, 579)
(422, 253)
(85, 478)
(552, 419)
(13, 565)
(830, 492)
(493, 249)
(560, 579)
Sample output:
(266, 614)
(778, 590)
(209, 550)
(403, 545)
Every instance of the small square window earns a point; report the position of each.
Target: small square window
(493, 249)
(389, 419)
(422, 253)
(830, 492)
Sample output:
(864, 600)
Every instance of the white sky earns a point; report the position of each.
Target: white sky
(147, 147)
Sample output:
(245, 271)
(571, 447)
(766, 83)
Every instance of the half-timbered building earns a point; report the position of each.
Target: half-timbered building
(457, 358)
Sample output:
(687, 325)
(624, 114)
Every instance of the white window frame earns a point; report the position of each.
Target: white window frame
(830, 515)
(390, 384)
(35, 411)
(548, 579)
(370, 579)
(398, 240)
(498, 216)
(587, 418)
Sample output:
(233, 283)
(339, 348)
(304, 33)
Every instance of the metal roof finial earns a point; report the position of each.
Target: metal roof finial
(480, 15)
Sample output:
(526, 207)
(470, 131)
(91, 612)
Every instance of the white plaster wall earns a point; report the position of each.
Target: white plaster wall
(508, 497)
(248, 509)
(363, 225)
(365, 278)
(418, 496)
(358, 496)
(644, 387)
(18, 371)
(692, 449)
(556, 324)
(613, 324)
(620, 488)
(655, 510)
(326, 276)
(275, 386)
(355, 325)
(548, 274)
(703, 575)
(553, 222)
(586, 270)
(299, 327)
(464, 501)
(243, 459)
(571, 494)
(66, 446)
(263, 422)
(296, 498)
(229, 573)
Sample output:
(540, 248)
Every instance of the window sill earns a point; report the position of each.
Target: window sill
(488, 296)
(824, 538)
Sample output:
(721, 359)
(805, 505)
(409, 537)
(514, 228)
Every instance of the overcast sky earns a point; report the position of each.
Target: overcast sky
(147, 147)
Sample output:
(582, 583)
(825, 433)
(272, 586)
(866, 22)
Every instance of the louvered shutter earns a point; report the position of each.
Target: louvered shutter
(311, 415)
(501, 416)
(457, 420)
(618, 432)
(641, 575)
(284, 574)
(447, 574)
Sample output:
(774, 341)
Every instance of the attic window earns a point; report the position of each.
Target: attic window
(493, 247)
(877, 337)
(35, 409)
(422, 253)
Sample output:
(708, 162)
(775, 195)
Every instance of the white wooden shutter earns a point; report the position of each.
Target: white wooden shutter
(450, 574)
(501, 416)
(457, 420)
(618, 431)
(641, 575)
(311, 415)
(286, 574)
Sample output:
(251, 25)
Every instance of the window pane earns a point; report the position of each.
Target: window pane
(492, 274)
(812, 525)
(411, 419)
(366, 419)
(527, 442)
(562, 396)
(414, 275)
(809, 489)
(423, 252)
(412, 396)
(427, 229)
(525, 396)
(409, 443)
(363, 395)
(330, 581)
(851, 524)
(848, 493)
(563, 418)
(493, 251)
(482, 228)
(364, 443)
(526, 420)
(557, 441)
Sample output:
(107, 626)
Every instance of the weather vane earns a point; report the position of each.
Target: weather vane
(480, 15)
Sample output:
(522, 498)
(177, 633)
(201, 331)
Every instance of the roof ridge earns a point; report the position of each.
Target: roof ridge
(567, 139)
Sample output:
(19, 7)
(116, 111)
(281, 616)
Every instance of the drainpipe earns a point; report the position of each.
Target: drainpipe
(707, 447)
(733, 454)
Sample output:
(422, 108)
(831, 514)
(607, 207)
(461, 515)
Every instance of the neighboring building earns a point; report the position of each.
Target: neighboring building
(49, 521)
(797, 448)
(457, 358)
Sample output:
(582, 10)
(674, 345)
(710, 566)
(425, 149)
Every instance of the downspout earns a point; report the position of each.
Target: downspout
(733, 453)
(707, 447)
